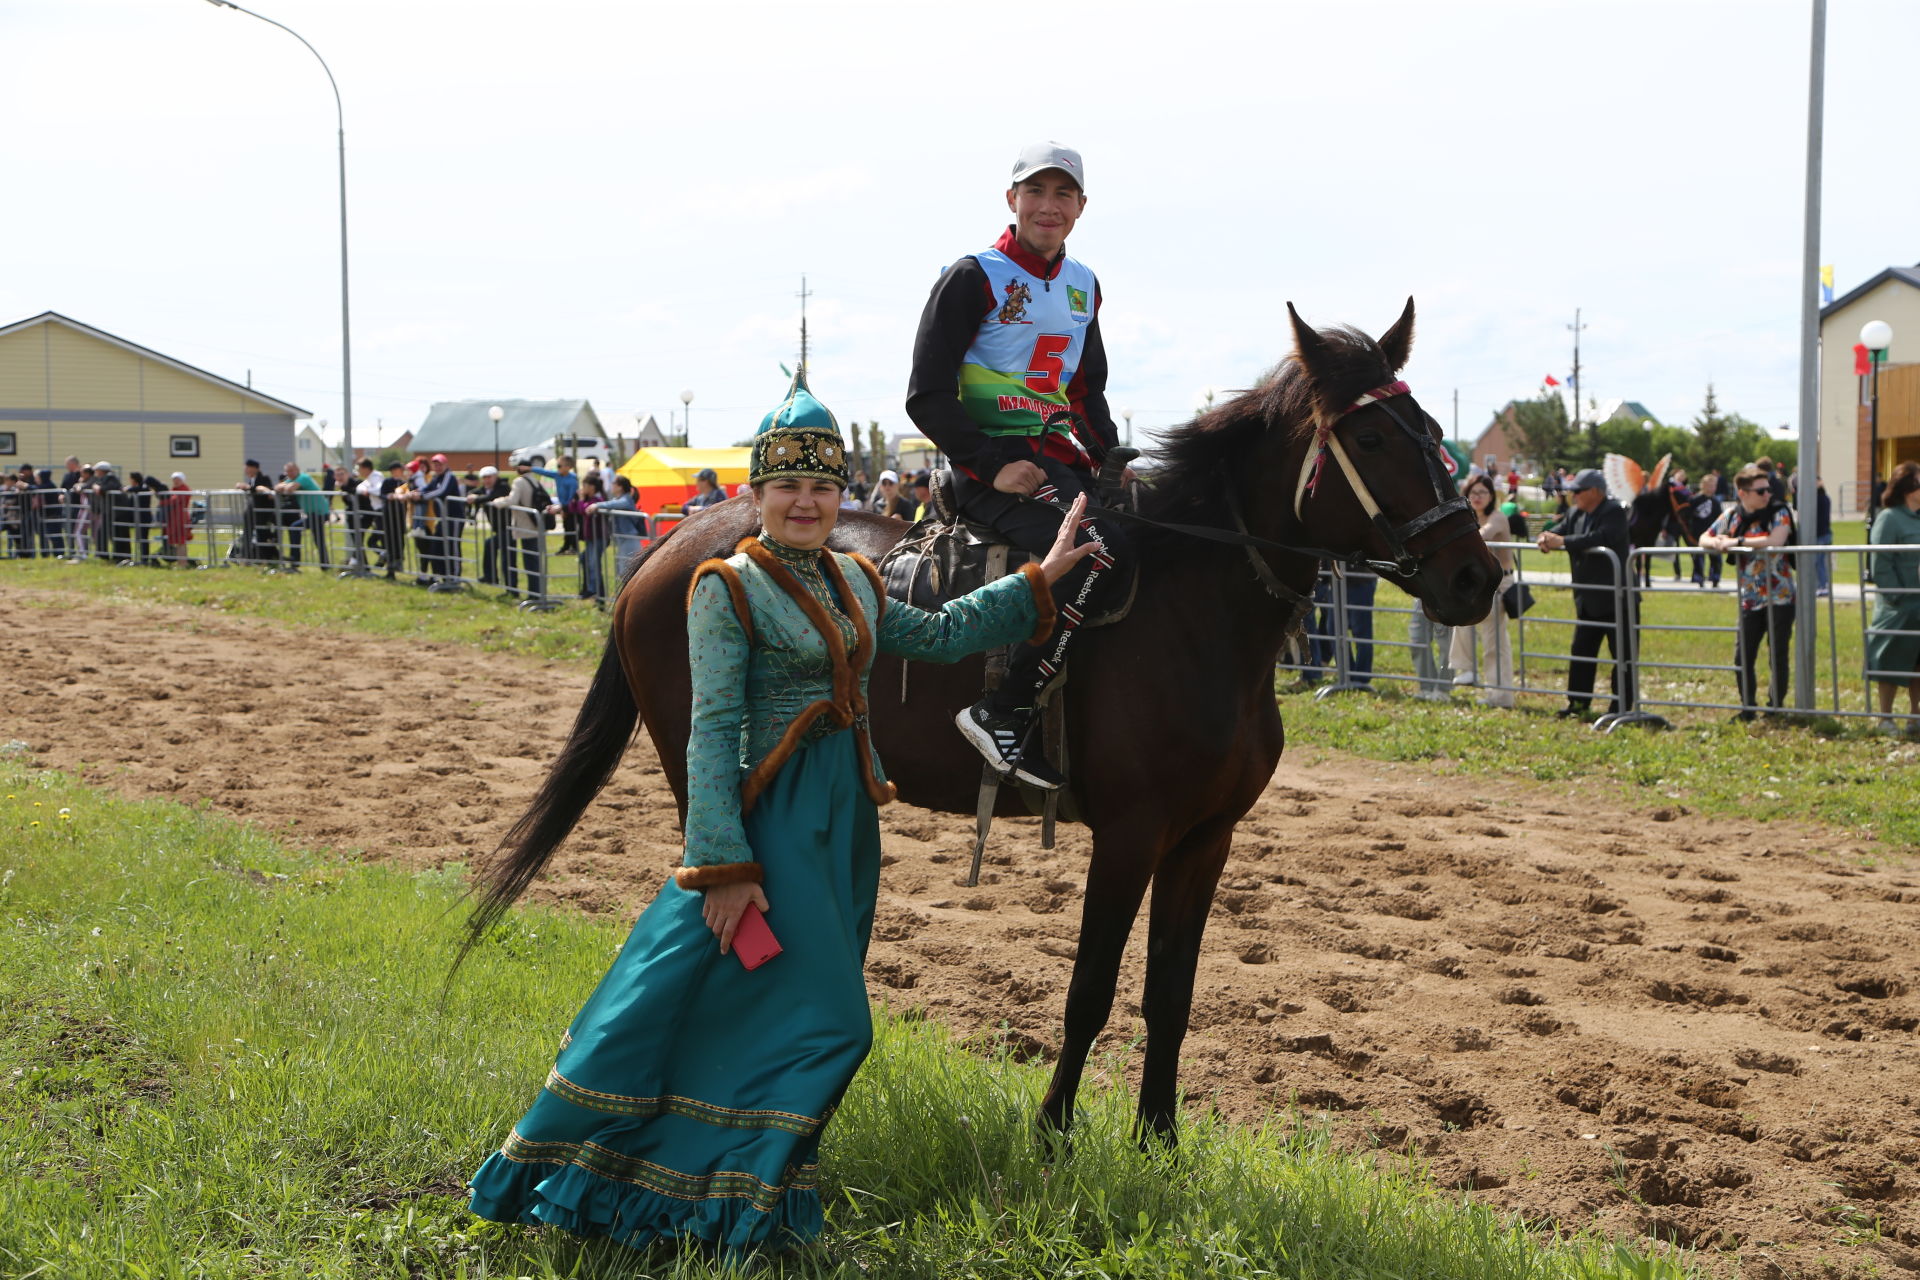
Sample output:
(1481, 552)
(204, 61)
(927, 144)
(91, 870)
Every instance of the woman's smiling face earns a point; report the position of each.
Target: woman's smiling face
(798, 512)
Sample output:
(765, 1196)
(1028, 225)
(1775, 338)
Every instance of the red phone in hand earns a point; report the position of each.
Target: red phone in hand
(753, 941)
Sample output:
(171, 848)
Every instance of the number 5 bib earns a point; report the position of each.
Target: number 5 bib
(1024, 357)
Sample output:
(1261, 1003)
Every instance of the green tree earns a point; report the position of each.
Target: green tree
(1540, 428)
(389, 457)
(876, 445)
(1712, 439)
(1748, 441)
(1677, 441)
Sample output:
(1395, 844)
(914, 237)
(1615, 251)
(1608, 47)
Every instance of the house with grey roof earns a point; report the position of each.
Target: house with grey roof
(463, 431)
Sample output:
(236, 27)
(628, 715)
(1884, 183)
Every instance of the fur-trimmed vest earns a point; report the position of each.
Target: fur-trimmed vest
(777, 665)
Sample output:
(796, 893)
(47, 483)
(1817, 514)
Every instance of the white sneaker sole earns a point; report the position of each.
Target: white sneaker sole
(981, 741)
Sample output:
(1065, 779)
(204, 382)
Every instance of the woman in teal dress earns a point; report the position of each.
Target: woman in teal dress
(1893, 657)
(689, 1093)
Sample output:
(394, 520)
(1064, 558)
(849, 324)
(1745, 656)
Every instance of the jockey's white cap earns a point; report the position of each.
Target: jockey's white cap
(1036, 157)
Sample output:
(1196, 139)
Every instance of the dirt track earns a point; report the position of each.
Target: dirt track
(1574, 1003)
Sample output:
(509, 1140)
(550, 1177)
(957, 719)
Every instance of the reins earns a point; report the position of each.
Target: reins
(1404, 562)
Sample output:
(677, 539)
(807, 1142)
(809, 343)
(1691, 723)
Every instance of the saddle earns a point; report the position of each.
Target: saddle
(944, 556)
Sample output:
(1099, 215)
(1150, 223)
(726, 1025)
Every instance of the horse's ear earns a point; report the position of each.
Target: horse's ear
(1396, 344)
(1310, 347)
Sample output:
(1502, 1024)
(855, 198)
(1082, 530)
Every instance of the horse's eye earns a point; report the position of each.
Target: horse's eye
(1371, 441)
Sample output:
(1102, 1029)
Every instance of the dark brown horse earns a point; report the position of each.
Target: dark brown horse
(1172, 729)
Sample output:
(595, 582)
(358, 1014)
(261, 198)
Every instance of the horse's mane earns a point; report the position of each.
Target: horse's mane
(1194, 459)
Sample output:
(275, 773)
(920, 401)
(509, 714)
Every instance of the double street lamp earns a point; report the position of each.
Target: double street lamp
(346, 345)
(1876, 336)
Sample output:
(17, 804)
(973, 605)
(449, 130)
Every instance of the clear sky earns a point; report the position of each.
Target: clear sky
(558, 198)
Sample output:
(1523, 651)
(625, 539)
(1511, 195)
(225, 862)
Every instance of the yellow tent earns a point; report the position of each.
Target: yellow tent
(664, 477)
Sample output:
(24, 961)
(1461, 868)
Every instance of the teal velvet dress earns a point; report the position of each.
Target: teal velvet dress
(689, 1094)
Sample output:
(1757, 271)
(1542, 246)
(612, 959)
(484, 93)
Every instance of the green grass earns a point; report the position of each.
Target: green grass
(220, 1057)
(1832, 770)
(485, 618)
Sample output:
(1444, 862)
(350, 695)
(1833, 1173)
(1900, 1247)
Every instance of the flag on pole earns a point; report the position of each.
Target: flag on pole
(1552, 381)
(1826, 285)
(1862, 359)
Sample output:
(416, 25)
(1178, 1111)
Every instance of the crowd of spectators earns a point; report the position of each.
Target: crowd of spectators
(1591, 529)
(411, 521)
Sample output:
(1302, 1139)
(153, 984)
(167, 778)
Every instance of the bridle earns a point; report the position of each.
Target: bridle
(1404, 562)
(1447, 502)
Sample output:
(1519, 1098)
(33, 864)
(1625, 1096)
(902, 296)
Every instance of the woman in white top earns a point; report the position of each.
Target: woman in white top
(1488, 640)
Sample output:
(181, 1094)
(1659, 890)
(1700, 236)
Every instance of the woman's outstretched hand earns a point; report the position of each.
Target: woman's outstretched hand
(1063, 555)
(724, 906)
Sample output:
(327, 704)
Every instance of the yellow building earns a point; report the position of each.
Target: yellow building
(1892, 296)
(68, 389)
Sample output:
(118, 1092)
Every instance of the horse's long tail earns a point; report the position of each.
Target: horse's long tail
(601, 732)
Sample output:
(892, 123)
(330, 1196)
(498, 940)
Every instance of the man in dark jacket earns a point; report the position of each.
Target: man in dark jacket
(496, 556)
(1594, 525)
(708, 492)
(1008, 361)
(114, 510)
(260, 541)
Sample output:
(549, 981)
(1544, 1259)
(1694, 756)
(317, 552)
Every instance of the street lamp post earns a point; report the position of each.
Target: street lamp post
(1126, 415)
(496, 413)
(1876, 336)
(686, 419)
(346, 344)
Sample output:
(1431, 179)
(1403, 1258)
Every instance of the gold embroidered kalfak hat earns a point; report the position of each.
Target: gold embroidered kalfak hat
(799, 439)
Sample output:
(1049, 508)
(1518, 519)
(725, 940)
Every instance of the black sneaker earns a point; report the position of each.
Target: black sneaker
(1000, 737)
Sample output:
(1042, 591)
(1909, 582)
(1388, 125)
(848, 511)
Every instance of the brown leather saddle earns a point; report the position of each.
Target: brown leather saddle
(944, 556)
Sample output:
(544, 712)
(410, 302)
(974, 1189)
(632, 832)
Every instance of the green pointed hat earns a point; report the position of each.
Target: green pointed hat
(799, 439)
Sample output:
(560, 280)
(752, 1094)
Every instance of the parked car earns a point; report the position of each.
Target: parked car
(543, 453)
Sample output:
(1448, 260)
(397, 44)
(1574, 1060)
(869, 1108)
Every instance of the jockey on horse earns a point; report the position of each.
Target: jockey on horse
(1007, 362)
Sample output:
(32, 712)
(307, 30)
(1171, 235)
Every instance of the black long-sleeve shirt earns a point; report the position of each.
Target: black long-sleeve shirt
(961, 300)
(1585, 533)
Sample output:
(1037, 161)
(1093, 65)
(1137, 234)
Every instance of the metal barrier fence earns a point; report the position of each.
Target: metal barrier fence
(1852, 623)
(1668, 646)
(444, 545)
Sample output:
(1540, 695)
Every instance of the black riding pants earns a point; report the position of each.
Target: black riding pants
(1773, 624)
(1031, 524)
(1588, 635)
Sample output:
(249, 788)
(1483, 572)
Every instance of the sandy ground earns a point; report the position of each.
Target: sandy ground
(1573, 1002)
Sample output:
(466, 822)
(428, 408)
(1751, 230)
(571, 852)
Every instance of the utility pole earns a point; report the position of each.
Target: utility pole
(1805, 640)
(803, 295)
(1456, 417)
(1576, 326)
